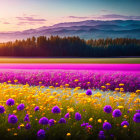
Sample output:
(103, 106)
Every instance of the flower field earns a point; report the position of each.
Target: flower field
(69, 104)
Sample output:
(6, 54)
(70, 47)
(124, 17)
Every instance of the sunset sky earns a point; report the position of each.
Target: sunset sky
(16, 15)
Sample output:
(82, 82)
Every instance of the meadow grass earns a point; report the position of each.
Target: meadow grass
(72, 60)
(70, 101)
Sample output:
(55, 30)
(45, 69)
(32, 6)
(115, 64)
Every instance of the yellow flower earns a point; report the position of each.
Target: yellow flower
(90, 119)
(14, 111)
(15, 134)
(99, 121)
(137, 91)
(22, 101)
(117, 89)
(121, 84)
(66, 85)
(125, 116)
(20, 93)
(13, 96)
(22, 125)
(103, 86)
(70, 109)
(76, 80)
(15, 81)
(105, 120)
(130, 109)
(125, 126)
(108, 84)
(68, 134)
(8, 129)
(120, 107)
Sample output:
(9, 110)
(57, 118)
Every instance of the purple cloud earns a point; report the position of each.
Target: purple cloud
(107, 17)
(116, 16)
(77, 17)
(32, 19)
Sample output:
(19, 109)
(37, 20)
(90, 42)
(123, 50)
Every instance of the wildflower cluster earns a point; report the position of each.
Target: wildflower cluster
(39, 111)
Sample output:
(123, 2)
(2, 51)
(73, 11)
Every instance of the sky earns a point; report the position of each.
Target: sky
(18, 15)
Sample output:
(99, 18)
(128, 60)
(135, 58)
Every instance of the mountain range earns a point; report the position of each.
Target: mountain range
(89, 29)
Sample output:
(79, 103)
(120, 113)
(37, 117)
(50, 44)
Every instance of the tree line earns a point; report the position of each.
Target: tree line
(56, 46)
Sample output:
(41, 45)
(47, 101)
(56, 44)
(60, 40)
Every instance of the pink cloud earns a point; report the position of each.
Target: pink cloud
(6, 23)
(31, 19)
(31, 23)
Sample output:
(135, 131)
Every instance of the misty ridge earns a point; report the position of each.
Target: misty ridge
(89, 29)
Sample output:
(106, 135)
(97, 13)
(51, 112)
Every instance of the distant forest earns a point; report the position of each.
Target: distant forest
(56, 46)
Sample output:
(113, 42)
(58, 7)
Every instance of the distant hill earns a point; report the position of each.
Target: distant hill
(84, 29)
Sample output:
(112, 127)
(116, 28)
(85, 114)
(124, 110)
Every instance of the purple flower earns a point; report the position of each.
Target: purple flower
(78, 116)
(62, 120)
(67, 115)
(41, 134)
(84, 124)
(51, 122)
(10, 102)
(18, 127)
(36, 108)
(101, 135)
(136, 118)
(138, 111)
(107, 126)
(116, 113)
(26, 119)
(124, 123)
(20, 107)
(28, 126)
(43, 121)
(56, 109)
(108, 109)
(89, 127)
(2, 109)
(89, 92)
(12, 119)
